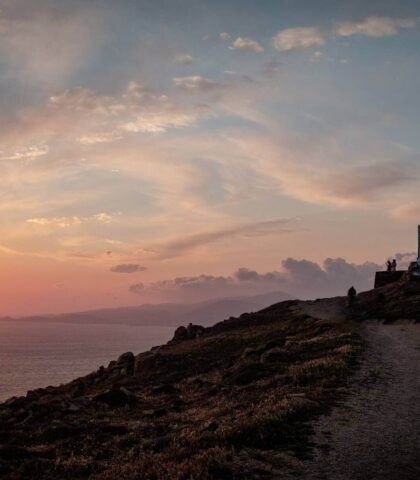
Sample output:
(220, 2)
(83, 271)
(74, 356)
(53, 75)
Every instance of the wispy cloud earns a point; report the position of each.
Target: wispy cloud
(25, 40)
(298, 38)
(409, 211)
(184, 59)
(244, 43)
(185, 244)
(374, 26)
(225, 36)
(64, 222)
(326, 178)
(61, 222)
(196, 83)
(128, 268)
(27, 153)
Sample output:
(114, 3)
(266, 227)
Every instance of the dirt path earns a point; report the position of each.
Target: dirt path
(375, 433)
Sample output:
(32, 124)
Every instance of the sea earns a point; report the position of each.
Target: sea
(34, 355)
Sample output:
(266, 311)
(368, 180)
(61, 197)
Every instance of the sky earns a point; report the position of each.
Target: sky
(180, 150)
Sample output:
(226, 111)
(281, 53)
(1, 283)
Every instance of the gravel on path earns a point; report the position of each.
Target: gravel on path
(374, 434)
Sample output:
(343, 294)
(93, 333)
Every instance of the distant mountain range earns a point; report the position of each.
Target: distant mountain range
(167, 314)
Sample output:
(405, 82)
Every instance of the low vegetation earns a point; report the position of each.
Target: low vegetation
(227, 402)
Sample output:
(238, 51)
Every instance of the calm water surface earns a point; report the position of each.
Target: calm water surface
(36, 355)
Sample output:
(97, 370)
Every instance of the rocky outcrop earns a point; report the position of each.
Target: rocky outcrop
(188, 333)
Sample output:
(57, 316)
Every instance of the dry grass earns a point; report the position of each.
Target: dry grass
(226, 415)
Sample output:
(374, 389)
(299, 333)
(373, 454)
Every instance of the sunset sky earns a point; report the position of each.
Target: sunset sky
(178, 150)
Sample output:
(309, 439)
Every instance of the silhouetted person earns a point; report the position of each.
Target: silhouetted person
(394, 265)
(351, 294)
(388, 266)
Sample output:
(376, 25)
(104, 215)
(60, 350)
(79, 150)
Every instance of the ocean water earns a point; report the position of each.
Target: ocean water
(36, 355)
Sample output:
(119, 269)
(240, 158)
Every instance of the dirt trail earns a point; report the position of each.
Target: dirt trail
(374, 434)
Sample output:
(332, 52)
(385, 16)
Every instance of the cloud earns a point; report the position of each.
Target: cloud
(184, 59)
(404, 259)
(243, 43)
(99, 137)
(147, 111)
(64, 222)
(366, 181)
(128, 268)
(103, 217)
(224, 36)
(183, 245)
(409, 211)
(298, 38)
(27, 153)
(325, 172)
(83, 116)
(272, 69)
(137, 288)
(300, 278)
(83, 100)
(374, 26)
(196, 83)
(160, 122)
(26, 40)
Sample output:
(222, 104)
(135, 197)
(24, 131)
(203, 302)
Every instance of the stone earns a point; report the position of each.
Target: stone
(116, 397)
(209, 426)
(188, 333)
(274, 355)
(165, 389)
(245, 374)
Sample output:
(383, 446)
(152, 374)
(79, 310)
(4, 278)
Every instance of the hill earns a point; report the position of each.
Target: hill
(234, 401)
(166, 314)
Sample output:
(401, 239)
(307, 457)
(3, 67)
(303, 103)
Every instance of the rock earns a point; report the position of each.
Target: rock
(180, 333)
(124, 365)
(157, 412)
(73, 408)
(126, 358)
(187, 333)
(157, 444)
(194, 331)
(250, 353)
(245, 374)
(15, 402)
(79, 389)
(255, 352)
(209, 426)
(274, 355)
(165, 389)
(116, 397)
(300, 402)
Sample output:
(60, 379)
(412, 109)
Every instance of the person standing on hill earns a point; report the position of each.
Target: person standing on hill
(394, 265)
(351, 294)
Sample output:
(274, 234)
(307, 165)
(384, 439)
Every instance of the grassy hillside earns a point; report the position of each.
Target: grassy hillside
(231, 401)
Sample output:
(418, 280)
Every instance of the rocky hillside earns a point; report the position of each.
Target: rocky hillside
(228, 402)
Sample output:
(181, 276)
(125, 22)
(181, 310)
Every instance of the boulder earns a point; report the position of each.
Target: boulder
(245, 374)
(124, 365)
(116, 397)
(188, 333)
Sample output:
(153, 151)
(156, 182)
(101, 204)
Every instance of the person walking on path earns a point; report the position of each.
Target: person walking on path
(351, 294)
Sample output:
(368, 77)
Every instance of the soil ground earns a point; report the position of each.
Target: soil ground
(375, 432)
